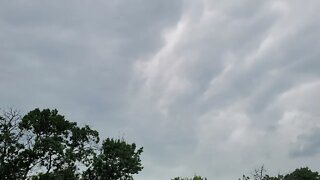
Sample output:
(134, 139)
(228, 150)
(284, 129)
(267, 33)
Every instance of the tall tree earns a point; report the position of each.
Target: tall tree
(54, 143)
(10, 145)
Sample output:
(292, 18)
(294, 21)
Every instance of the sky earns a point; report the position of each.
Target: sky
(209, 87)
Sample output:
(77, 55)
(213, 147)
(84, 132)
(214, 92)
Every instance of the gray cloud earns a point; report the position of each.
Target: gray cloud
(208, 87)
(307, 144)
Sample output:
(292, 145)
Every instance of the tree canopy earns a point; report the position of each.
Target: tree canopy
(303, 173)
(117, 160)
(44, 145)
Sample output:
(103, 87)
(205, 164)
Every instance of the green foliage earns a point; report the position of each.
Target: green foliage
(54, 143)
(302, 174)
(116, 161)
(43, 145)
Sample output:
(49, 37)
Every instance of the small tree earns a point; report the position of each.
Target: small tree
(259, 173)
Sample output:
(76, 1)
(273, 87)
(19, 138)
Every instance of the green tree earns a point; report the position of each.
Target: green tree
(55, 144)
(299, 174)
(302, 174)
(43, 145)
(117, 160)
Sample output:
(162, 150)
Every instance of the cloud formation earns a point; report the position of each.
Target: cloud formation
(209, 87)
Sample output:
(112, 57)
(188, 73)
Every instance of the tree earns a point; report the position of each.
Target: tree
(299, 174)
(43, 140)
(117, 160)
(43, 145)
(257, 174)
(302, 174)
(10, 146)
(54, 143)
(195, 177)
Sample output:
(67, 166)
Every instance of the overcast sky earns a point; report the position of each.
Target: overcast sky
(211, 87)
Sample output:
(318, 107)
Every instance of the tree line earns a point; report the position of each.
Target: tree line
(303, 173)
(43, 145)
